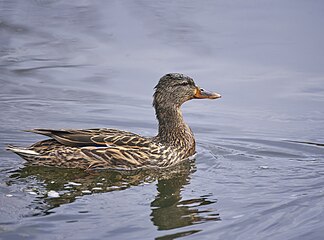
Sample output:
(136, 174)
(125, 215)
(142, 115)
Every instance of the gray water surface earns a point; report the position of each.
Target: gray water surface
(259, 169)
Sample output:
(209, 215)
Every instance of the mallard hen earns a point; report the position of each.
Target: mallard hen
(115, 149)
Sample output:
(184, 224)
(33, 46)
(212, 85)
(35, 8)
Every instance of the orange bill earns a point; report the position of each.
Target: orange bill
(202, 93)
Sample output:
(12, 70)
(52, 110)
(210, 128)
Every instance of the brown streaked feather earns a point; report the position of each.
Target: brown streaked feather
(93, 137)
(102, 149)
(52, 153)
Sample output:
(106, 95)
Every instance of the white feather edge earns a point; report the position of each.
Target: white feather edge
(22, 150)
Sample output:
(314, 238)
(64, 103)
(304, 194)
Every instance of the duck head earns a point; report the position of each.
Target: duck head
(174, 89)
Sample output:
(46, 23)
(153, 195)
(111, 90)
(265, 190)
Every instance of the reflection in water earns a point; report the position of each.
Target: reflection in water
(169, 211)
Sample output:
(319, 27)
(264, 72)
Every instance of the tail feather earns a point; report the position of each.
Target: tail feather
(22, 151)
(46, 132)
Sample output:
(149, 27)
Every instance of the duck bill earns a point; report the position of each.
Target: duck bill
(201, 93)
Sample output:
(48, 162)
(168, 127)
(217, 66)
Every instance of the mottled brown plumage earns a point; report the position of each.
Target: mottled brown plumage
(115, 149)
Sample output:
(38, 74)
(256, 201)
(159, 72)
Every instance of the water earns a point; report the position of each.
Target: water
(259, 171)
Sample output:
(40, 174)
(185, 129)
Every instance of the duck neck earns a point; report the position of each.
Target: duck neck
(172, 128)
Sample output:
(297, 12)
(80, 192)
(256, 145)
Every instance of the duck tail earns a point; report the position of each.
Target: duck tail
(23, 152)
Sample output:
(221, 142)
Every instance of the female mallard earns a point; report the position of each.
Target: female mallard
(115, 149)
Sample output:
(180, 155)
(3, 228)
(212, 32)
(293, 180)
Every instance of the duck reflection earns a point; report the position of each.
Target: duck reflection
(169, 211)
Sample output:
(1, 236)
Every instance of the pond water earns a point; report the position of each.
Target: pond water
(259, 170)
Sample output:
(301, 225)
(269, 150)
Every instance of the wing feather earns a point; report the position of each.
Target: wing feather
(94, 137)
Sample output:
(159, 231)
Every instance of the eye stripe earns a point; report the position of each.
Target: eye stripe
(182, 84)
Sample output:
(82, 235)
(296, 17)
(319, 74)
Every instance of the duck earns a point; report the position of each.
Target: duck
(105, 148)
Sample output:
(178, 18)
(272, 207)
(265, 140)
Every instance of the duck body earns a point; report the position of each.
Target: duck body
(102, 149)
(106, 148)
